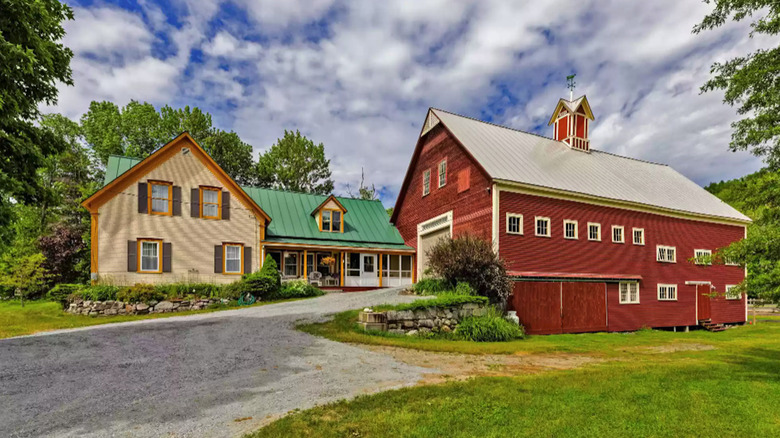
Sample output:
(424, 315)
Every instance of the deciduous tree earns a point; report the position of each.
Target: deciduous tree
(295, 163)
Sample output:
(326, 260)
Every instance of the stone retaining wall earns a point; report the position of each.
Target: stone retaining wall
(111, 307)
(435, 319)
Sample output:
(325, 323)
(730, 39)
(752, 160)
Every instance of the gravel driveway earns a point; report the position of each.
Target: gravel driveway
(189, 376)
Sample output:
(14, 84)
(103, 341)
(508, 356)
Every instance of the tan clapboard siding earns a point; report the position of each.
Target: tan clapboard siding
(193, 239)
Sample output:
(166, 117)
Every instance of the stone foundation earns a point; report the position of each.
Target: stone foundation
(111, 307)
(444, 319)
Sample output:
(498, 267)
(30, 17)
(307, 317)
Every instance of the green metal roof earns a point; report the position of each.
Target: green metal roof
(366, 223)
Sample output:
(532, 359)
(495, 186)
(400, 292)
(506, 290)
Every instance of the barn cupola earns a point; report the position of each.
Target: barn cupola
(572, 122)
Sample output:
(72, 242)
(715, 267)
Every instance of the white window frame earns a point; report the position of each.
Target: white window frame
(628, 285)
(704, 252)
(443, 173)
(666, 259)
(536, 226)
(519, 218)
(157, 268)
(240, 259)
(426, 182)
(667, 286)
(576, 229)
(622, 233)
(728, 261)
(732, 297)
(633, 236)
(598, 227)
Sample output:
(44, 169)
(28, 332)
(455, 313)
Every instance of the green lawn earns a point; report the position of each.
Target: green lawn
(731, 390)
(39, 316)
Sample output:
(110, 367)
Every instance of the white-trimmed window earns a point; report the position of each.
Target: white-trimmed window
(594, 231)
(149, 253)
(514, 223)
(426, 182)
(667, 254)
(291, 264)
(667, 292)
(629, 293)
(442, 173)
(234, 258)
(617, 234)
(702, 256)
(639, 236)
(729, 261)
(732, 292)
(570, 229)
(542, 226)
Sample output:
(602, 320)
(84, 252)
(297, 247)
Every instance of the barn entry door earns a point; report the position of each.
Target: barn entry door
(560, 307)
(703, 301)
(584, 307)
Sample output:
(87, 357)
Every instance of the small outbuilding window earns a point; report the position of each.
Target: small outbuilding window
(543, 226)
(617, 234)
(594, 232)
(514, 223)
(570, 229)
(732, 292)
(629, 293)
(667, 292)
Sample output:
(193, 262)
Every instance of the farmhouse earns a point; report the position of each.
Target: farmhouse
(176, 216)
(593, 240)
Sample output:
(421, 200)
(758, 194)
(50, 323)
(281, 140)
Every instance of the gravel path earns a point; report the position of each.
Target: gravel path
(209, 375)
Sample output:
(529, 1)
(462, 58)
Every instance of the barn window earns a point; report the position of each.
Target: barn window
(594, 231)
(732, 292)
(617, 234)
(702, 256)
(426, 182)
(730, 261)
(514, 223)
(543, 226)
(629, 293)
(570, 229)
(442, 173)
(667, 292)
(639, 236)
(667, 254)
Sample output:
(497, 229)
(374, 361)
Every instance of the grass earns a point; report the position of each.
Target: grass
(40, 316)
(731, 390)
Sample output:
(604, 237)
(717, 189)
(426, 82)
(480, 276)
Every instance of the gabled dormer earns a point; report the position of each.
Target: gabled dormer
(572, 119)
(330, 215)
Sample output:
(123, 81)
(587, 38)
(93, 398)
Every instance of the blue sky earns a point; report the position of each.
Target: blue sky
(359, 76)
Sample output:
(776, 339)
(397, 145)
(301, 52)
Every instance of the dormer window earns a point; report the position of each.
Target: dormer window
(330, 215)
(331, 221)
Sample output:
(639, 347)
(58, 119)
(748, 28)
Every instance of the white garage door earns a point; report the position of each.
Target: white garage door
(427, 242)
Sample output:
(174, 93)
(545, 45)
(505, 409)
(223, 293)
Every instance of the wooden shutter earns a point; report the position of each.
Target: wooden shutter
(226, 205)
(248, 260)
(143, 203)
(195, 202)
(176, 211)
(166, 256)
(217, 259)
(132, 255)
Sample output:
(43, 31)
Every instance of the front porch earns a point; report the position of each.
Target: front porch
(347, 269)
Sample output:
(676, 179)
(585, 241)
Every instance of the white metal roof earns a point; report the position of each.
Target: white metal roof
(512, 155)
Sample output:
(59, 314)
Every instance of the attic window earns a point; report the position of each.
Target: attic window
(331, 221)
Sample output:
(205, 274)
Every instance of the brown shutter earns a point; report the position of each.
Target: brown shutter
(166, 255)
(218, 259)
(195, 202)
(248, 260)
(226, 205)
(176, 201)
(143, 204)
(132, 256)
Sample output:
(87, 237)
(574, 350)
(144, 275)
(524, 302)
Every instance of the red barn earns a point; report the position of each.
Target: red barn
(594, 241)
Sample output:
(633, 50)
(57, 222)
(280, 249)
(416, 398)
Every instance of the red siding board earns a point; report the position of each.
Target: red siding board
(555, 254)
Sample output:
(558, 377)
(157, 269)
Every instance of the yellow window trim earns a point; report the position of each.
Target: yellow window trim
(149, 198)
(219, 201)
(159, 242)
(331, 210)
(224, 258)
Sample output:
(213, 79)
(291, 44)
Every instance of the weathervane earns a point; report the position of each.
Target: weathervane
(570, 84)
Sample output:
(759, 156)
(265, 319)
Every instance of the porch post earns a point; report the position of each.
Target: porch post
(414, 268)
(380, 269)
(305, 265)
(342, 269)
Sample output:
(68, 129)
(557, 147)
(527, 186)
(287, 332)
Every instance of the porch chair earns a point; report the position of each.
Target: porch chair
(315, 278)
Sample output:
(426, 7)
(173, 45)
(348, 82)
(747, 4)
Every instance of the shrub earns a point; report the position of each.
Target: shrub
(464, 288)
(445, 300)
(431, 286)
(471, 260)
(194, 290)
(232, 291)
(264, 283)
(61, 292)
(491, 327)
(100, 292)
(140, 293)
(296, 289)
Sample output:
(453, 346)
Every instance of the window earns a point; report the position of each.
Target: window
(331, 221)
(514, 223)
(160, 197)
(629, 293)
(617, 234)
(702, 256)
(442, 173)
(210, 202)
(396, 266)
(368, 263)
(730, 261)
(667, 292)
(234, 258)
(639, 236)
(543, 226)
(594, 231)
(290, 264)
(732, 292)
(426, 182)
(149, 253)
(570, 229)
(353, 265)
(666, 254)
